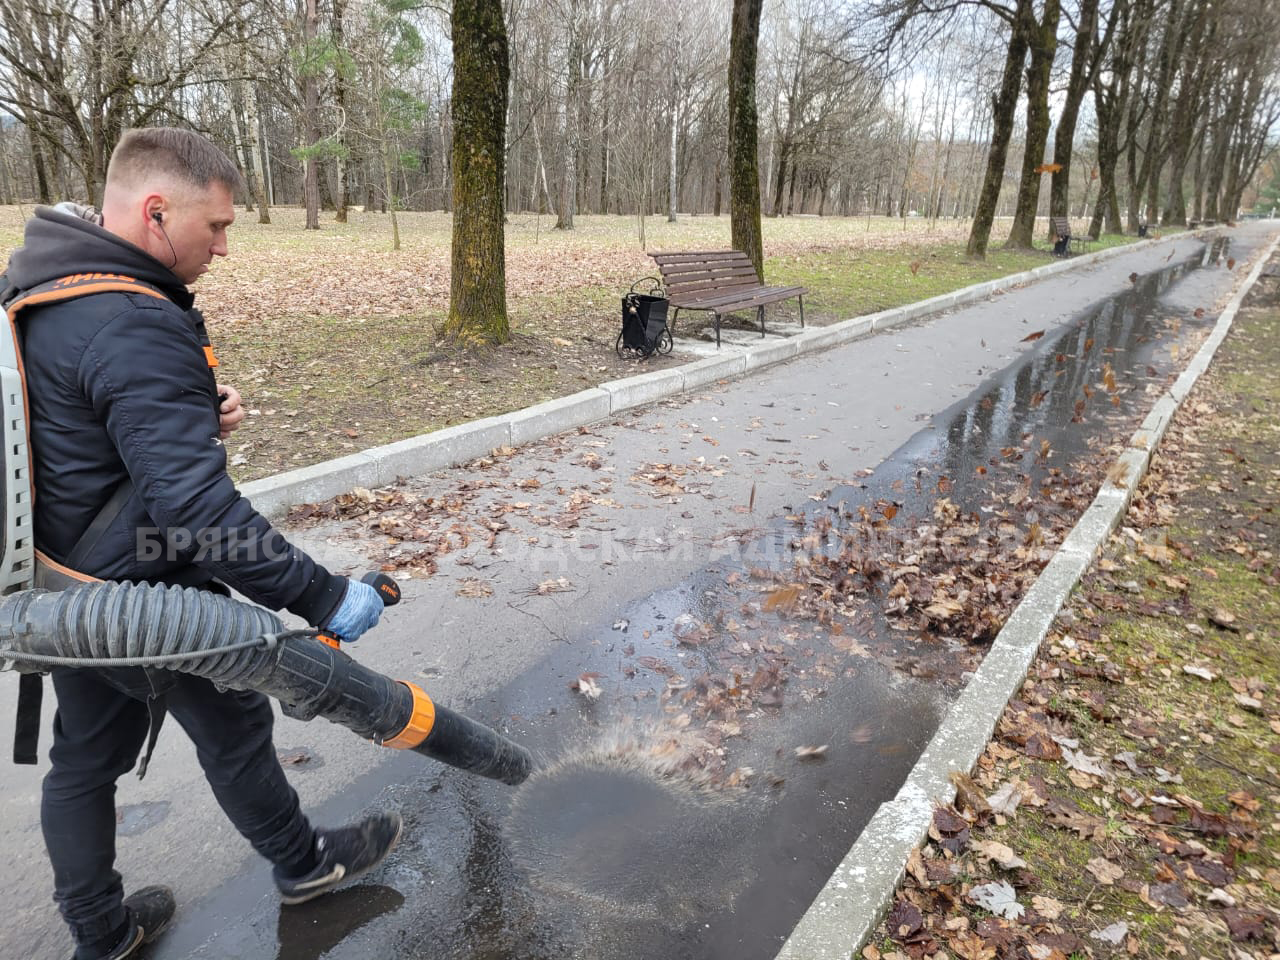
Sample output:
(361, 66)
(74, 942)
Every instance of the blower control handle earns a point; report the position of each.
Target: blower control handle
(387, 589)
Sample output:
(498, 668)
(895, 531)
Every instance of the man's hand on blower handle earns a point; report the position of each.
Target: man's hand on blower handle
(360, 608)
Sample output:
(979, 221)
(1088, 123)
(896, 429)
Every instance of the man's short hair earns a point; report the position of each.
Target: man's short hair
(184, 155)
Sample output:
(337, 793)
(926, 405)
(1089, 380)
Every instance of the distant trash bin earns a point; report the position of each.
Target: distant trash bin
(644, 322)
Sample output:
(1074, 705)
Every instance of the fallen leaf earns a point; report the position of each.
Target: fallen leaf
(999, 853)
(1079, 760)
(1032, 336)
(475, 588)
(1168, 895)
(1245, 801)
(1245, 924)
(1224, 619)
(998, 898)
(1113, 934)
(811, 753)
(295, 758)
(1048, 907)
(968, 796)
(1200, 672)
(588, 685)
(904, 920)
(1106, 872)
(1156, 553)
(783, 598)
(1005, 800)
(972, 947)
(559, 585)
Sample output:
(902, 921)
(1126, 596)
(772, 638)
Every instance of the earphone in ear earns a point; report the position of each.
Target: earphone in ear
(158, 217)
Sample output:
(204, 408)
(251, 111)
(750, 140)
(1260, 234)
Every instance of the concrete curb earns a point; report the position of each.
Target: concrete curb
(845, 914)
(273, 496)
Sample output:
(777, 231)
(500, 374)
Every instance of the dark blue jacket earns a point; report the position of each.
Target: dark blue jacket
(119, 386)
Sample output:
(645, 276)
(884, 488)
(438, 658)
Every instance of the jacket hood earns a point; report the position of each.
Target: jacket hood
(58, 243)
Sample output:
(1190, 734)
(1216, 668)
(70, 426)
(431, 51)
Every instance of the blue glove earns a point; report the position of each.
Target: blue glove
(359, 611)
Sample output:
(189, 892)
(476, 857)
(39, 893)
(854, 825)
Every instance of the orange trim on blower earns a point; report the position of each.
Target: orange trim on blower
(419, 726)
(209, 357)
(43, 559)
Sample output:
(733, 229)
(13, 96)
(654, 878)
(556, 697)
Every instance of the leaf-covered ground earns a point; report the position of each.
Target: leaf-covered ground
(333, 339)
(1130, 802)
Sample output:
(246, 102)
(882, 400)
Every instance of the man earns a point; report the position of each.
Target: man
(126, 422)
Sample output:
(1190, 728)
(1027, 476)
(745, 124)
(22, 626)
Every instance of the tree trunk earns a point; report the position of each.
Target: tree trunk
(1222, 133)
(1043, 48)
(337, 32)
(784, 168)
(311, 112)
(572, 117)
(43, 191)
(1154, 156)
(1197, 179)
(719, 197)
(744, 169)
(253, 152)
(1185, 116)
(477, 292)
(1082, 60)
(671, 168)
(1002, 112)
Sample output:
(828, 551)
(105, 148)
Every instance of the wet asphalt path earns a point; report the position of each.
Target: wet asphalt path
(645, 519)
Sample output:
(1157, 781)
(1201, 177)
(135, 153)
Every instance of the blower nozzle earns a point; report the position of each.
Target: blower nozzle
(245, 647)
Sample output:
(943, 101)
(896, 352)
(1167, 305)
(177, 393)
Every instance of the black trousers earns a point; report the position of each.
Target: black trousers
(98, 733)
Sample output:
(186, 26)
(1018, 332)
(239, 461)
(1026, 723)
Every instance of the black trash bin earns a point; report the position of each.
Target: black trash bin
(644, 322)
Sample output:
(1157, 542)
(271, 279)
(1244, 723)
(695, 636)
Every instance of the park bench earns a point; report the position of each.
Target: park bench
(1060, 229)
(720, 281)
(1063, 241)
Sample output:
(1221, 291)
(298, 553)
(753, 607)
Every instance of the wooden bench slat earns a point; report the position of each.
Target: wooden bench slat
(702, 266)
(685, 297)
(749, 297)
(703, 291)
(697, 280)
(664, 258)
(727, 268)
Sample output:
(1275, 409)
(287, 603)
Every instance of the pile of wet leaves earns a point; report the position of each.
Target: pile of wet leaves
(951, 575)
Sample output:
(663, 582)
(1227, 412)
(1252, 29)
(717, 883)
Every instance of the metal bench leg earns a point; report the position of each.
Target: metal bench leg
(801, 313)
(674, 317)
(717, 316)
(760, 317)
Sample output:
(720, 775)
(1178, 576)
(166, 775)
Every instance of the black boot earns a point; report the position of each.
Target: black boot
(149, 913)
(341, 855)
